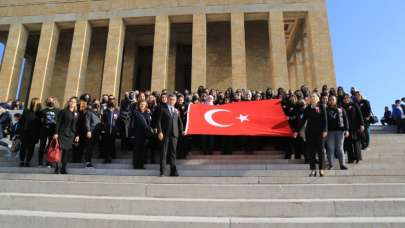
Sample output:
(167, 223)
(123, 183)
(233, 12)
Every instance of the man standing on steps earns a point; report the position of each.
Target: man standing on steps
(169, 126)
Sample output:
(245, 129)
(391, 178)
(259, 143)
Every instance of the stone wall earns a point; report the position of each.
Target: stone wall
(58, 80)
(219, 62)
(95, 65)
(257, 55)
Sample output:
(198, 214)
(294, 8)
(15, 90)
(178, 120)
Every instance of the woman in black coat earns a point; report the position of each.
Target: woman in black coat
(66, 133)
(30, 131)
(291, 109)
(356, 127)
(366, 112)
(142, 131)
(315, 132)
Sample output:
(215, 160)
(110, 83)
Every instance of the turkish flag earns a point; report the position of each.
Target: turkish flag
(251, 118)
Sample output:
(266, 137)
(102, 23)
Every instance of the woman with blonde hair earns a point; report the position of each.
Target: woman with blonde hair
(66, 133)
(30, 131)
(316, 130)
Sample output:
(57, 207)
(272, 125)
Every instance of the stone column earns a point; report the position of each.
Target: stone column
(307, 63)
(199, 58)
(12, 59)
(171, 67)
(239, 75)
(292, 70)
(113, 57)
(300, 66)
(45, 61)
(78, 60)
(128, 64)
(160, 53)
(320, 46)
(278, 51)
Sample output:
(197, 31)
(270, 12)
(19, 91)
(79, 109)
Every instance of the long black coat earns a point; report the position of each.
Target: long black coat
(365, 109)
(30, 127)
(355, 118)
(140, 126)
(316, 120)
(66, 128)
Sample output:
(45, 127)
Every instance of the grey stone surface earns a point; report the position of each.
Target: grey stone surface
(211, 194)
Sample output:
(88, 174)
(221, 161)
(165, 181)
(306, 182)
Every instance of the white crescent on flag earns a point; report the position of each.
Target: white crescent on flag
(208, 117)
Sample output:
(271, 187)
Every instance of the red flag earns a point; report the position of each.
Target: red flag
(252, 118)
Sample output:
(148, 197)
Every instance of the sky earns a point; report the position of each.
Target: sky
(368, 41)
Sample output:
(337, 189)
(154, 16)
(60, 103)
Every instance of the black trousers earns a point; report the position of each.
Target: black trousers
(315, 146)
(168, 155)
(296, 147)
(85, 148)
(27, 151)
(226, 144)
(181, 147)
(139, 153)
(153, 150)
(353, 149)
(207, 144)
(44, 140)
(400, 125)
(108, 141)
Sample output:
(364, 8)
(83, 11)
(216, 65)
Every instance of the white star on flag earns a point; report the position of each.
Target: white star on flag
(242, 118)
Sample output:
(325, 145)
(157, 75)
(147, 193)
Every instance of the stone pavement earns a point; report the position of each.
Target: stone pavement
(256, 191)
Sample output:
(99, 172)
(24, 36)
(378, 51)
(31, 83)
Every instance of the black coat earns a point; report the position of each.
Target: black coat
(66, 128)
(293, 112)
(81, 123)
(140, 126)
(168, 124)
(30, 127)
(316, 120)
(365, 109)
(183, 109)
(124, 119)
(109, 121)
(355, 119)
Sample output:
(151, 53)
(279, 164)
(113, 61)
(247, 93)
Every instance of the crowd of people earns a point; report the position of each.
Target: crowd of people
(396, 117)
(151, 125)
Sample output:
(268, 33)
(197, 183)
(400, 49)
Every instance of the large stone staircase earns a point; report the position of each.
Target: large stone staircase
(245, 191)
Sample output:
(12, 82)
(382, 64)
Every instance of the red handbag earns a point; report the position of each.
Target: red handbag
(53, 153)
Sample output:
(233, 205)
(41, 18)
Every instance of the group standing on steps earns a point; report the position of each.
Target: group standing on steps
(326, 123)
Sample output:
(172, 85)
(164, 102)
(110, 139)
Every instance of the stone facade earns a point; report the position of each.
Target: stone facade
(113, 46)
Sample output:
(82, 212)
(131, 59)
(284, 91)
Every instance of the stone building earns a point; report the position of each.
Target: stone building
(68, 47)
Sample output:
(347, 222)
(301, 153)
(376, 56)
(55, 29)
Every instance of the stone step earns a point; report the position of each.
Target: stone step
(209, 191)
(201, 207)
(208, 166)
(280, 171)
(40, 219)
(250, 180)
(258, 161)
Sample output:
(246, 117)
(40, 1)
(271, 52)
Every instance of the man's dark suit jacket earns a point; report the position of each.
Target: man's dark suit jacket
(168, 124)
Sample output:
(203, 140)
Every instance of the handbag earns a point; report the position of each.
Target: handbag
(53, 153)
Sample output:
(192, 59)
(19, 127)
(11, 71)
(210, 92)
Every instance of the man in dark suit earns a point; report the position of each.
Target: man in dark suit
(170, 127)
